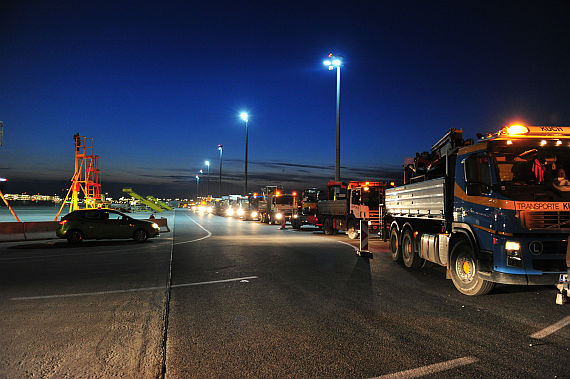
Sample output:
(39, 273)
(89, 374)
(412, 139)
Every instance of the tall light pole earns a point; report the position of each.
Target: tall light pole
(208, 178)
(336, 62)
(243, 116)
(197, 186)
(221, 148)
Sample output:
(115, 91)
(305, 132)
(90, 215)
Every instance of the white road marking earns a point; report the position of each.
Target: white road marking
(346, 243)
(551, 329)
(132, 289)
(430, 369)
(214, 282)
(197, 239)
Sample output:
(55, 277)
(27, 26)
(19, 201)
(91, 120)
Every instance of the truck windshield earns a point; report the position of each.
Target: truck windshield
(284, 199)
(371, 198)
(531, 172)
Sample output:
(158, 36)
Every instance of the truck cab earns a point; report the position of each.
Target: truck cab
(511, 189)
(495, 211)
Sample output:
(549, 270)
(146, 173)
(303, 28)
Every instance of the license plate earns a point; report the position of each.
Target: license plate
(563, 278)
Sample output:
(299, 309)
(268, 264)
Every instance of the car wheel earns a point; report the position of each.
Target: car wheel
(74, 236)
(409, 256)
(140, 235)
(465, 271)
(395, 246)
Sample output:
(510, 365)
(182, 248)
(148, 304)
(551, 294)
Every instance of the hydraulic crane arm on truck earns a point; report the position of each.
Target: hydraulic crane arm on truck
(495, 211)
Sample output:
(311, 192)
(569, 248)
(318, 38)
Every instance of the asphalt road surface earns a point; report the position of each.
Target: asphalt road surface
(220, 297)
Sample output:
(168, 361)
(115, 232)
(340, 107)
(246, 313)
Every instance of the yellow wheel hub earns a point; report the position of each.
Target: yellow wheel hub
(466, 267)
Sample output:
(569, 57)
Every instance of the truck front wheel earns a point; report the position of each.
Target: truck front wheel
(464, 271)
(352, 230)
(395, 245)
(409, 256)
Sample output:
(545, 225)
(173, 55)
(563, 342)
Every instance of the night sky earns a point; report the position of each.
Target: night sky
(159, 85)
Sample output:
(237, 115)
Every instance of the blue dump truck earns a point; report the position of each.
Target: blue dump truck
(492, 211)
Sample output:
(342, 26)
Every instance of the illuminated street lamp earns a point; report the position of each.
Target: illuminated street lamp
(221, 149)
(336, 62)
(208, 178)
(243, 116)
(197, 186)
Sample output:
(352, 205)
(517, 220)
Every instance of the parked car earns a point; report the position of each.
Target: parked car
(104, 224)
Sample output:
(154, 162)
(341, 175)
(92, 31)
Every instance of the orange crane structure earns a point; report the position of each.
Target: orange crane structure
(86, 178)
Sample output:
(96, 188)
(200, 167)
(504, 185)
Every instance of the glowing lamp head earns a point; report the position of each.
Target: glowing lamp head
(294, 193)
(327, 62)
(207, 163)
(516, 129)
(336, 62)
(243, 116)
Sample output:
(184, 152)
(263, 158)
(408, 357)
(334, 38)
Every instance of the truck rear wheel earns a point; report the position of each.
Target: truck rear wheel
(395, 246)
(465, 271)
(409, 256)
(327, 226)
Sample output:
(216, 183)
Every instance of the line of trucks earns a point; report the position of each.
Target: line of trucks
(495, 210)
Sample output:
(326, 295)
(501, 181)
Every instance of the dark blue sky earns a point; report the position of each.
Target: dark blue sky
(158, 85)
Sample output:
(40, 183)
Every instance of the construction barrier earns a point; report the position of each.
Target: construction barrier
(162, 222)
(40, 230)
(12, 231)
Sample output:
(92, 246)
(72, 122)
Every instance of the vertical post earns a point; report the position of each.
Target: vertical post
(221, 148)
(337, 164)
(208, 179)
(363, 251)
(245, 189)
(197, 187)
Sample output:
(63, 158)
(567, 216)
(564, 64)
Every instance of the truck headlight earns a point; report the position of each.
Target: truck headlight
(230, 212)
(209, 209)
(240, 212)
(512, 246)
(155, 225)
(514, 256)
(254, 214)
(278, 216)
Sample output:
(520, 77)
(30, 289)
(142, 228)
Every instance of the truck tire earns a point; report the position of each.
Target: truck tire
(395, 245)
(465, 271)
(352, 231)
(296, 224)
(327, 226)
(409, 256)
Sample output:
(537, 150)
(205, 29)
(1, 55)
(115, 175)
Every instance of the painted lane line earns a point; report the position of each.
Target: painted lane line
(132, 289)
(551, 329)
(214, 282)
(430, 369)
(346, 243)
(197, 239)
